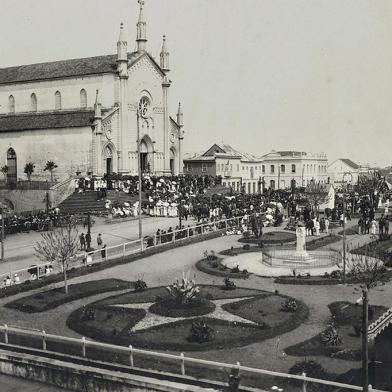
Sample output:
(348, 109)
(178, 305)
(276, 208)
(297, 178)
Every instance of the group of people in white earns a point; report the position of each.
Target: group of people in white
(13, 279)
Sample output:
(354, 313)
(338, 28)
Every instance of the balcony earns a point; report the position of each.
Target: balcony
(227, 173)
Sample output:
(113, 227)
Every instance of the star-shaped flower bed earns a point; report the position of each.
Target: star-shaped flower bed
(150, 319)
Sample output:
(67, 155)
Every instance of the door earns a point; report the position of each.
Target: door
(12, 168)
(109, 168)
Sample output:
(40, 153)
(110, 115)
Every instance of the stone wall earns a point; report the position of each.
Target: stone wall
(24, 200)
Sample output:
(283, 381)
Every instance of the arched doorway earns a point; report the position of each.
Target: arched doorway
(108, 160)
(12, 167)
(146, 155)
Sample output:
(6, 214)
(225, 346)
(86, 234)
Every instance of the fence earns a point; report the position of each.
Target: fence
(40, 271)
(131, 357)
(28, 185)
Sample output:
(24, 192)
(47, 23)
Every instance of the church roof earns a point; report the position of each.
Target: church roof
(350, 163)
(63, 68)
(46, 120)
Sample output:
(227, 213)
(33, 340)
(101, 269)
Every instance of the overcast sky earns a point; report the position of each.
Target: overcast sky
(311, 75)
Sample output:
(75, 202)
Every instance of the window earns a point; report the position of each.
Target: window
(293, 168)
(203, 167)
(282, 168)
(272, 184)
(83, 98)
(11, 104)
(272, 170)
(33, 102)
(57, 100)
(238, 168)
(263, 168)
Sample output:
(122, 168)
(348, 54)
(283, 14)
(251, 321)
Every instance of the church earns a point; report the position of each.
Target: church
(85, 114)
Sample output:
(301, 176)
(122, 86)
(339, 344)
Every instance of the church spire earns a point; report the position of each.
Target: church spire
(97, 106)
(164, 56)
(122, 49)
(141, 38)
(180, 116)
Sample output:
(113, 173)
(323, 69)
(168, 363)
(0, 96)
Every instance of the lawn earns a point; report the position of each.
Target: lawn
(273, 237)
(50, 299)
(347, 322)
(245, 321)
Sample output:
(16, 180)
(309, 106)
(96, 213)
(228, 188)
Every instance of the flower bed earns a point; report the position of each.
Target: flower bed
(216, 268)
(51, 299)
(238, 317)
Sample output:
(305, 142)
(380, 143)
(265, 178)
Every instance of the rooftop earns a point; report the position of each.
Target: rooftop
(63, 68)
(46, 120)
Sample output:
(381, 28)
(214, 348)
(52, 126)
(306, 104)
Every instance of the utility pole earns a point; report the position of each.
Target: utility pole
(2, 233)
(365, 351)
(344, 240)
(139, 168)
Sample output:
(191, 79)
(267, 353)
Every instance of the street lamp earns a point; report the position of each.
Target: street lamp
(139, 168)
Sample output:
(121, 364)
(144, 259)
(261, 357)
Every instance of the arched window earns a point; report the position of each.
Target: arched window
(83, 98)
(57, 100)
(33, 102)
(11, 104)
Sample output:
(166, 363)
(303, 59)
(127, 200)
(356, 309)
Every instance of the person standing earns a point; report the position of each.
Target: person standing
(373, 227)
(103, 252)
(326, 225)
(82, 241)
(88, 240)
(99, 240)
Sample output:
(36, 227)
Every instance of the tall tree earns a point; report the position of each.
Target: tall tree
(60, 246)
(29, 169)
(373, 186)
(316, 194)
(50, 167)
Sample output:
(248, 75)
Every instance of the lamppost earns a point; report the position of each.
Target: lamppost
(139, 169)
(2, 233)
(365, 351)
(344, 224)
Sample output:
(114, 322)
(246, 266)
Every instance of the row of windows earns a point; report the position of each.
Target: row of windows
(57, 101)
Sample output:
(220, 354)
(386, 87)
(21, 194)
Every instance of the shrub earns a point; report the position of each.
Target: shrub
(140, 285)
(88, 314)
(201, 332)
(276, 292)
(229, 284)
(290, 305)
(326, 275)
(210, 256)
(331, 337)
(214, 264)
(246, 247)
(183, 292)
(311, 369)
(236, 269)
(336, 274)
(246, 234)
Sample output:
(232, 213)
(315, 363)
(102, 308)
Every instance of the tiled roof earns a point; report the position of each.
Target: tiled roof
(46, 120)
(62, 69)
(350, 163)
(380, 324)
(225, 150)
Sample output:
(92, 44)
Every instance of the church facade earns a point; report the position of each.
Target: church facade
(85, 115)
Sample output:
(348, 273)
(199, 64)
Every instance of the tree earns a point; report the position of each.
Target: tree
(367, 270)
(316, 194)
(29, 169)
(60, 246)
(372, 185)
(4, 170)
(50, 166)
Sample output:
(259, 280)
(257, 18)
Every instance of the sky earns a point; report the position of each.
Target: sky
(261, 75)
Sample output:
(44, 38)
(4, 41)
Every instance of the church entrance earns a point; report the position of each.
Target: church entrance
(12, 168)
(146, 155)
(108, 160)
(109, 167)
(173, 161)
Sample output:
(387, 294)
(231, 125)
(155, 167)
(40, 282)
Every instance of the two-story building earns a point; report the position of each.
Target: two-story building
(240, 171)
(280, 168)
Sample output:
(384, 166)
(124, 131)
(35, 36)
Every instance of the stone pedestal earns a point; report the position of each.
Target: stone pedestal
(301, 240)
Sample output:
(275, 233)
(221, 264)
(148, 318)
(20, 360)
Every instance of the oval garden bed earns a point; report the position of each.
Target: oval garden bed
(271, 238)
(216, 268)
(238, 317)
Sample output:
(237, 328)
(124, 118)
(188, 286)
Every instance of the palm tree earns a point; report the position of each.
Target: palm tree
(4, 170)
(50, 166)
(29, 169)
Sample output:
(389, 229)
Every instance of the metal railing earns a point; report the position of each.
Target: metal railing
(40, 271)
(159, 361)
